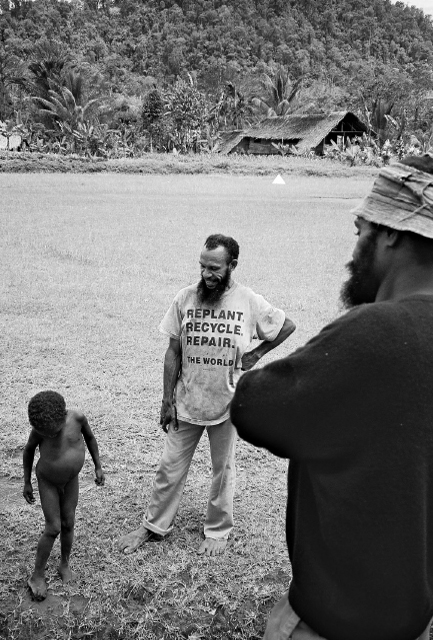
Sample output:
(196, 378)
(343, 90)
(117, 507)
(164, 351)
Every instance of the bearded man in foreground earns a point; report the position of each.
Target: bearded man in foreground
(353, 411)
(210, 326)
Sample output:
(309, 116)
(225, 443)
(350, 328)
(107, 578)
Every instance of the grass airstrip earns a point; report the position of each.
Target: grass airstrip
(90, 263)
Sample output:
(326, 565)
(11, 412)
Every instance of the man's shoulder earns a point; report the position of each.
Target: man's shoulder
(191, 288)
(370, 330)
(242, 291)
(387, 310)
(186, 292)
(375, 318)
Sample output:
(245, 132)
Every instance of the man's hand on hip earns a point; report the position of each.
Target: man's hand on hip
(249, 359)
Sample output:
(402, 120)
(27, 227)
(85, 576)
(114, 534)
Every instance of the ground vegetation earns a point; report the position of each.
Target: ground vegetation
(90, 264)
(125, 77)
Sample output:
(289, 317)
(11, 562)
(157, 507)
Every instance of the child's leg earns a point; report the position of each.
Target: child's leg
(68, 504)
(50, 503)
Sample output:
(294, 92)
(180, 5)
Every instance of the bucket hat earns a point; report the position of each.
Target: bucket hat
(402, 199)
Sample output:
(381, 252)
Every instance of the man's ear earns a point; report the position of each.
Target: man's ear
(393, 237)
(233, 264)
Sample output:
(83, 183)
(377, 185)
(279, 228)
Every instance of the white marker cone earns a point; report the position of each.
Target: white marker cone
(278, 180)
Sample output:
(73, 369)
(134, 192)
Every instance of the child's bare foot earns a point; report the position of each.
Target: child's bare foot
(65, 573)
(38, 586)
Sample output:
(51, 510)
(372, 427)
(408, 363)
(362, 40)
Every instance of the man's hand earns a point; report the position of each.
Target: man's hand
(168, 415)
(28, 493)
(100, 477)
(249, 359)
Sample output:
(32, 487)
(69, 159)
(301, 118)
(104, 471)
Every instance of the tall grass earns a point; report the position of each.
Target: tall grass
(165, 164)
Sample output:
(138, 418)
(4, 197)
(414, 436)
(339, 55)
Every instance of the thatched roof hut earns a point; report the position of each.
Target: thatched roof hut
(304, 132)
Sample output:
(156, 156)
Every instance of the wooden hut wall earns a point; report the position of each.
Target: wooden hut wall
(241, 147)
(265, 147)
(262, 147)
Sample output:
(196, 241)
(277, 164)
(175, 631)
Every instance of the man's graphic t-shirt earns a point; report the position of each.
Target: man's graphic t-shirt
(213, 341)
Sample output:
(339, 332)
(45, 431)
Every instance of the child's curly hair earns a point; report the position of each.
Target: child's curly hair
(47, 411)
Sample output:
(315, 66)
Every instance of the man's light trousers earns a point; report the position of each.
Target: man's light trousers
(172, 472)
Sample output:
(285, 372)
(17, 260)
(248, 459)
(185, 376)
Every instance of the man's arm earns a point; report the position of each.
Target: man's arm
(172, 366)
(301, 406)
(250, 358)
(28, 457)
(92, 446)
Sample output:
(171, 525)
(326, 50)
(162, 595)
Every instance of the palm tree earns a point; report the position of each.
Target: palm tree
(47, 68)
(277, 93)
(75, 82)
(64, 107)
(42, 73)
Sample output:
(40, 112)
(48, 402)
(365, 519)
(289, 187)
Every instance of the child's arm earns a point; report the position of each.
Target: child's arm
(28, 456)
(92, 446)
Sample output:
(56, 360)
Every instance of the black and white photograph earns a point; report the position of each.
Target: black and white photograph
(216, 319)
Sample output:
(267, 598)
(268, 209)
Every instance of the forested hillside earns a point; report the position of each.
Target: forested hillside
(235, 61)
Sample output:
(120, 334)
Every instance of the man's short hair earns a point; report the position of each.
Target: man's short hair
(218, 240)
(47, 411)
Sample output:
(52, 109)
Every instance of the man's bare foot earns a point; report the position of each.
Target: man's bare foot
(131, 541)
(65, 573)
(212, 546)
(38, 587)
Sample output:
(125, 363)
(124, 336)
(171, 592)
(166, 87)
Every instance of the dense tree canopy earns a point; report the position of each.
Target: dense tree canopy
(336, 53)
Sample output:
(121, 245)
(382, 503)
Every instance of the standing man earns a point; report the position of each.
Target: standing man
(210, 325)
(353, 410)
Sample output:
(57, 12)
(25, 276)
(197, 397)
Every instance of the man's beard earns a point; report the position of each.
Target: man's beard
(212, 296)
(362, 286)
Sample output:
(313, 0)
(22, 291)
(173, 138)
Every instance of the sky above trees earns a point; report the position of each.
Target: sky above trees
(425, 5)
